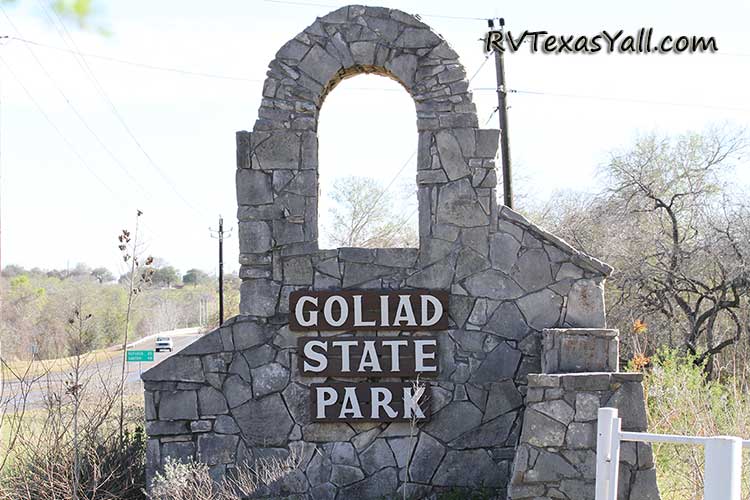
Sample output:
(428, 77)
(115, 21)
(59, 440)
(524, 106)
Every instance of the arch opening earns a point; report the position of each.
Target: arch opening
(367, 143)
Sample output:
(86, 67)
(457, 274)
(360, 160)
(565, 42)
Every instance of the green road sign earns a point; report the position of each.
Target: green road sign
(140, 356)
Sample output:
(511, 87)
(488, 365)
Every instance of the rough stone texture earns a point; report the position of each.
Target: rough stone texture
(571, 350)
(556, 455)
(507, 279)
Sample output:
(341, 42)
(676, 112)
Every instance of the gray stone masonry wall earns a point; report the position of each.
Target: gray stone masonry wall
(556, 456)
(235, 394)
(570, 350)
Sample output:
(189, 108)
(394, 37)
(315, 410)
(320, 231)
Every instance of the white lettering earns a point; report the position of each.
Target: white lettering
(299, 314)
(320, 357)
(328, 310)
(438, 310)
(420, 356)
(381, 398)
(350, 404)
(411, 403)
(369, 358)
(358, 313)
(404, 312)
(384, 310)
(395, 346)
(344, 345)
(325, 396)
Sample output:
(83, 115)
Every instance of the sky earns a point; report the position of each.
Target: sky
(113, 137)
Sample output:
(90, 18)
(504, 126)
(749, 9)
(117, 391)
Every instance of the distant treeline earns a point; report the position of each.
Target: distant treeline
(37, 306)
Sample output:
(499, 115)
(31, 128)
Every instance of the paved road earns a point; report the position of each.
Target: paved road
(135, 369)
(96, 376)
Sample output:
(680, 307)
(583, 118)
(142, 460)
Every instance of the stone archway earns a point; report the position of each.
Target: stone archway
(455, 160)
(237, 394)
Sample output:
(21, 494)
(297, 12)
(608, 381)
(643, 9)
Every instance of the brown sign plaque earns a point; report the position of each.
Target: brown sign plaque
(367, 356)
(411, 310)
(382, 402)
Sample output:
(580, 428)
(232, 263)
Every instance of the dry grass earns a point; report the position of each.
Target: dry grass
(43, 367)
(682, 402)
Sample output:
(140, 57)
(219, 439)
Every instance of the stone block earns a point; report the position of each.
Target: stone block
(487, 142)
(586, 304)
(255, 237)
(319, 65)
(377, 456)
(468, 468)
(166, 428)
(178, 405)
(264, 422)
(460, 205)
(280, 150)
(454, 420)
(253, 187)
(269, 378)
(176, 369)
(372, 486)
(217, 448)
(224, 424)
(451, 157)
(197, 426)
(259, 297)
(571, 350)
(181, 451)
(541, 431)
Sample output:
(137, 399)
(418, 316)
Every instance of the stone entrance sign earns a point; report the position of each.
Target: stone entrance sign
(242, 392)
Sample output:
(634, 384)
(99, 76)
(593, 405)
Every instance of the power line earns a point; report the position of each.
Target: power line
(90, 73)
(312, 4)
(408, 160)
(67, 142)
(180, 71)
(186, 72)
(76, 112)
(620, 99)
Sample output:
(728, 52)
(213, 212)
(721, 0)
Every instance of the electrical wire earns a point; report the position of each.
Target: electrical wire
(77, 113)
(408, 160)
(312, 4)
(59, 132)
(90, 73)
(138, 64)
(618, 99)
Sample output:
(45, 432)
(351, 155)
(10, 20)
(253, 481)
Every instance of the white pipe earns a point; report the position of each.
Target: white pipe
(723, 470)
(606, 418)
(614, 459)
(662, 438)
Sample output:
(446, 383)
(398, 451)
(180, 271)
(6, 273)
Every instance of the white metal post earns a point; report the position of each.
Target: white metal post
(614, 459)
(607, 434)
(723, 469)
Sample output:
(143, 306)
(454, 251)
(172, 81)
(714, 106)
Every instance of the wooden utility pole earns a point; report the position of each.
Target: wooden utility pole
(220, 236)
(502, 111)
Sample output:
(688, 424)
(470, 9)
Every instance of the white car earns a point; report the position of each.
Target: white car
(164, 344)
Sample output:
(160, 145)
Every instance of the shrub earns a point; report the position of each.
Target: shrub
(192, 480)
(680, 400)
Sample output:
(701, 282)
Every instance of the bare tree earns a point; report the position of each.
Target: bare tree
(677, 236)
(135, 280)
(366, 215)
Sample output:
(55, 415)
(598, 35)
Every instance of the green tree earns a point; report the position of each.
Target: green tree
(195, 277)
(165, 276)
(13, 270)
(102, 275)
